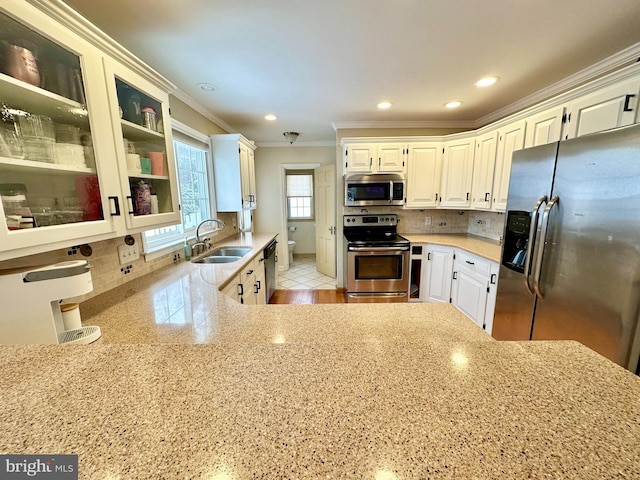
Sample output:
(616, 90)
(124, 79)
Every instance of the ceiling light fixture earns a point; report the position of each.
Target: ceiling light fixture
(486, 81)
(271, 117)
(207, 87)
(384, 105)
(454, 104)
(291, 136)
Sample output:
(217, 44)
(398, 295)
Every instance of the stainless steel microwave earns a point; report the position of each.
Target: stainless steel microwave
(375, 189)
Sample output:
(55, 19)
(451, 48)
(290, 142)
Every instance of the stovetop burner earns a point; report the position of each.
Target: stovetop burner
(373, 230)
(369, 238)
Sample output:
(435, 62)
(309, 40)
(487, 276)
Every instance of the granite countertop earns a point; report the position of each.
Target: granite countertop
(484, 247)
(187, 383)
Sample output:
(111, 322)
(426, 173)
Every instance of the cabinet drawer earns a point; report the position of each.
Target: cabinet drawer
(248, 271)
(473, 263)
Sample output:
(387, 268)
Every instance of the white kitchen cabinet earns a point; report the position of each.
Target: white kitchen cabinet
(260, 290)
(75, 178)
(370, 157)
(491, 297)
(473, 287)
(248, 176)
(151, 143)
(232, 289)
(234, 172)
(609, 107)
(484, 164)
(68, 191)
(248, 286)
(510, 139)
(424, 171)
(457, 172)
(544, 127)
(437, 273)
(247, 280)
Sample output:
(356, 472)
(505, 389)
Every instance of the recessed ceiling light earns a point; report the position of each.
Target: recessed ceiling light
(207, 87)
(271, 117)
(384, 105)
(486, 81)
(454, 104)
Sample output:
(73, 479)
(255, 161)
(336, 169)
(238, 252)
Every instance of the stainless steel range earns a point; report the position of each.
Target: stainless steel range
(376, 259)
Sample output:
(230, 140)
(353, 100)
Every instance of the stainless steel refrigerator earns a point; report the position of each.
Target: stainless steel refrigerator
(570, 267)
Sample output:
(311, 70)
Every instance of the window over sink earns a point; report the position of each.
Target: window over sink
(193, 163)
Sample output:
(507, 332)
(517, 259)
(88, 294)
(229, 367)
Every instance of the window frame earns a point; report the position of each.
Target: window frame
(296, 172)
(173, 241)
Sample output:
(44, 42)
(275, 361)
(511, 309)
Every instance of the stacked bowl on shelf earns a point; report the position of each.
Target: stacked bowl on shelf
(38, 137)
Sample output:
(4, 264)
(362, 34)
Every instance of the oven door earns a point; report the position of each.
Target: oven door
(377, 274)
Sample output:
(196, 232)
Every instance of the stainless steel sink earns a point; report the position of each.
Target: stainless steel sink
(224, 255)
(230, 252)
(218, 259)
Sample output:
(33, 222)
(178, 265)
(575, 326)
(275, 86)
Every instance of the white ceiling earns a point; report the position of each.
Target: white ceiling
(318, 62)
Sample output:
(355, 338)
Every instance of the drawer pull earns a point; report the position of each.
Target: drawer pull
(470, 263)
(249, 272)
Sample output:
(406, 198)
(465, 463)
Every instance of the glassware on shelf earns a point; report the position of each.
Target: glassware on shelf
(10, 142)
(70, 154)
(141, 192)
(149, 118)
(38, 136)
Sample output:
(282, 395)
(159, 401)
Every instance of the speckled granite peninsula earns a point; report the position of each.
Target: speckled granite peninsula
(186, 383)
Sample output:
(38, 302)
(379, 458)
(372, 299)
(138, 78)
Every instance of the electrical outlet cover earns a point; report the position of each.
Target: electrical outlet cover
(128, 253)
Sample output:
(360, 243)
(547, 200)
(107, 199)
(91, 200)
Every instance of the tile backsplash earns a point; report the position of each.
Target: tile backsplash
(483, 224)
(106, 271)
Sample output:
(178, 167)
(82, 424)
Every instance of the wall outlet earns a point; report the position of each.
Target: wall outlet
(427, 221)
(488, 222)
(128, 253)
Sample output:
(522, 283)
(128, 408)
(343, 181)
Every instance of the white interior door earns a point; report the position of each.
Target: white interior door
(325, 211)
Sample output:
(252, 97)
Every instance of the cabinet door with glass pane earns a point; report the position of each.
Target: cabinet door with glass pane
(145, 157)
(57, 184)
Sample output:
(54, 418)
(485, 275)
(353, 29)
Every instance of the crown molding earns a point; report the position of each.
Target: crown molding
(615, 62)
(202, 110)
(403, 124)
(69, 18)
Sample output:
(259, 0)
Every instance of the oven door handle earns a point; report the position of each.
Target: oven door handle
(378, 249)
(378, 295)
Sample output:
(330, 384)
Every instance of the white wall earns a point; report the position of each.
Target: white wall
(267, 217)
(304, 236)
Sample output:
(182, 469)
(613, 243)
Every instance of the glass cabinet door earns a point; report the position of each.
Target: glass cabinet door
(140, 114)
(51, 188)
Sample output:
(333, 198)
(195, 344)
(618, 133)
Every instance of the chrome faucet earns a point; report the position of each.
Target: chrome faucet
(206, 240)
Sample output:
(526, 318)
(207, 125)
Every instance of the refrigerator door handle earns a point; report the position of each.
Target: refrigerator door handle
(543, 237)
(533, 227)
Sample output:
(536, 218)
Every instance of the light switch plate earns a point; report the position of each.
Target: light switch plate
(128, 253)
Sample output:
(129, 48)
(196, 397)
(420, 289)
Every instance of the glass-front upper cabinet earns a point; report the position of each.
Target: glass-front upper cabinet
(58, 177)
(140, 114)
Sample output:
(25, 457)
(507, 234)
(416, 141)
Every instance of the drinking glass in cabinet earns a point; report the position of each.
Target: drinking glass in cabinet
(10, 142)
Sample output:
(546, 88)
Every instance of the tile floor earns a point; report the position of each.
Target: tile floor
(302, 275)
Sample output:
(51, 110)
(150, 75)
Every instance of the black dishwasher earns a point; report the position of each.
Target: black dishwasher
(270, 259)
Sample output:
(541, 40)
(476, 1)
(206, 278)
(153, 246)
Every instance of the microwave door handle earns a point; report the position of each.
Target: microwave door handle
(391, 191)
(528, 259)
